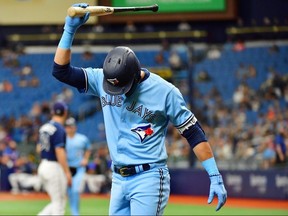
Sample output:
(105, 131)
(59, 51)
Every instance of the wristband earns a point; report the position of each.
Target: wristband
(210, 166)
(66, 40)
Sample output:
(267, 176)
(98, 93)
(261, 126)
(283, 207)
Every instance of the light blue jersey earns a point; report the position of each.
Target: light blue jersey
(136, 125)
(76, 147)
(135, 128)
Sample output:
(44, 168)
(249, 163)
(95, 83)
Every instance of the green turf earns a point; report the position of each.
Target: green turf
(93, 206)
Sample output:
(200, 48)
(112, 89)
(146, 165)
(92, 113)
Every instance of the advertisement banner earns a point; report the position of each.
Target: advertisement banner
(270, 184)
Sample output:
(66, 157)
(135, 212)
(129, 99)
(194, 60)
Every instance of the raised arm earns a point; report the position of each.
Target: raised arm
(62, 70)
(63, 52)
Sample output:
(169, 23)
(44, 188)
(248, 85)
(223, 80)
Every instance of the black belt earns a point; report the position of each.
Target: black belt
(131, 169)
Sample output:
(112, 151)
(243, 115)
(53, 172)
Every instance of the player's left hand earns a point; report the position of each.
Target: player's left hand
(73, 23)
(217, 188)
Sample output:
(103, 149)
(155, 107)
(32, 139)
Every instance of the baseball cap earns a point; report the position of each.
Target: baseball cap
(70, 122)
(59, 108)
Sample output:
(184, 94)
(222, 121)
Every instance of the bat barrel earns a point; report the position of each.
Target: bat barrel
(94, 11)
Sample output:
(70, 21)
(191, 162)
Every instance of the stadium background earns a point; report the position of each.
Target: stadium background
(230, 62)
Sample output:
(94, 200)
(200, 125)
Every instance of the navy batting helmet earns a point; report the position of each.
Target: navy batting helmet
(121, 71)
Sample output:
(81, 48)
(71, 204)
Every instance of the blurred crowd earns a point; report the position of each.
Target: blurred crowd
(237, 143)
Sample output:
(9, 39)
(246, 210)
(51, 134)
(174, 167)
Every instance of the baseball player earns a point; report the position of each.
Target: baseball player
(53, 168)
(78, 148)
(137, 106)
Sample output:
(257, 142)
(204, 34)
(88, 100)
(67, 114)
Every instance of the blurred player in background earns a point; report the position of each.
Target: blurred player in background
(137, 107)
(25, 177)
(98, 176)
(78, 148)
(53, 168)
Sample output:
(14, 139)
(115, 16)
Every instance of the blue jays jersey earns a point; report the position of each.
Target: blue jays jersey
(75, 148)
(136, 126)
(51, 135)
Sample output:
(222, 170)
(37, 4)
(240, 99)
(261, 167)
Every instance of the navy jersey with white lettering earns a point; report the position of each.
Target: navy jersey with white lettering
(136, 125)
(51, 135)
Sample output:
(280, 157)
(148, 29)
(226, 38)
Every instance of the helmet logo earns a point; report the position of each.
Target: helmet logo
(113, 81)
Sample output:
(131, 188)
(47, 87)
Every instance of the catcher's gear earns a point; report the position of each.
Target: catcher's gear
(121, 71)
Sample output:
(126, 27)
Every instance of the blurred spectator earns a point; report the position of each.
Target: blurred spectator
(285, 95)
(266, 21)
(87, 55)
(281, 147)
(239, 46)
(267, 150)
(130, 27)
(273, 87)
(160, 59)
(23, 82)
(242, 72)
(11, 155)
(175, 61)
(25, 177)
(10, 59)
(34, 82)
(203, 76)
(178, 151)
(2, 148)
(6, 86)
(223, 151)
(184, 26)
(65, 95)
(98, 177)
(98, 28)
(228, 46)
(26, 70)
(274, 49)
(252, 72)
(242, 96)
(35, 111)
(213, 53)
(165, 45)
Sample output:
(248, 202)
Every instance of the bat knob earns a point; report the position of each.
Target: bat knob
(155, 8)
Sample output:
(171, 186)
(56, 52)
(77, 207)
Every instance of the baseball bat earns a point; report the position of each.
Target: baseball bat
(105, 10)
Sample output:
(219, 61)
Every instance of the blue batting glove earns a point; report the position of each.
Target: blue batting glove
(73, 23)
(217, 188)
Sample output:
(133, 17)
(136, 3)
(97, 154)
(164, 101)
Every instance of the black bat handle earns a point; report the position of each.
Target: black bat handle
(153, 8)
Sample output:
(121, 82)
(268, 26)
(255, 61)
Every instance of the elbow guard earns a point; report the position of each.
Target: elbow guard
(193, 132)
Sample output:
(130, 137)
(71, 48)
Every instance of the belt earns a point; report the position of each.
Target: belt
(131, 169)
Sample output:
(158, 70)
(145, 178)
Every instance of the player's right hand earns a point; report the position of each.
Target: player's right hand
(73, 23)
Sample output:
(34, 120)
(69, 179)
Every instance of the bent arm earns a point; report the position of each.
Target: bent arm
(86, 158)
(62, 56)
(62, 70)
(195, 136)
(203, 151)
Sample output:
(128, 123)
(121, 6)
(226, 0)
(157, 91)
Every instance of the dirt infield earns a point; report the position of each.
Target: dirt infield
(177, 199)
